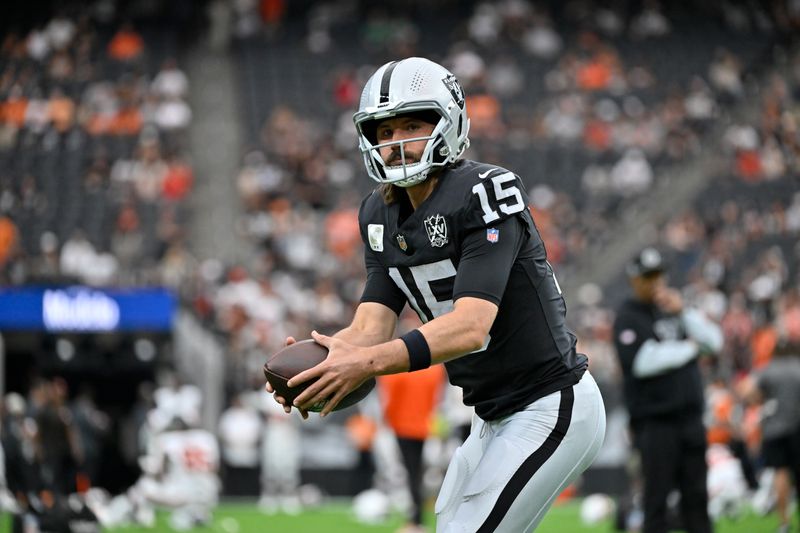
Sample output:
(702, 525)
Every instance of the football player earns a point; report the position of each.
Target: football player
(455, 240)
(180, 472)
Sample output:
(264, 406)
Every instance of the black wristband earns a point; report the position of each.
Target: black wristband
(419, 353)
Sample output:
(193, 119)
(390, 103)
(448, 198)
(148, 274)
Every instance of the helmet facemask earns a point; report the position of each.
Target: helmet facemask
(413, 86)
(405, 173)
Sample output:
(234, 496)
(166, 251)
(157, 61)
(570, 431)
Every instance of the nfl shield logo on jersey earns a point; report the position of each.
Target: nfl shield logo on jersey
(492, 235)
(436, 228)
(401, 242)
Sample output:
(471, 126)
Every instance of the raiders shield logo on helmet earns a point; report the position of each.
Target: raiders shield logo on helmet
(451, 82)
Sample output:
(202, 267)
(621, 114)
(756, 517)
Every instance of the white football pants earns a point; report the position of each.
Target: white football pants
(508, 472)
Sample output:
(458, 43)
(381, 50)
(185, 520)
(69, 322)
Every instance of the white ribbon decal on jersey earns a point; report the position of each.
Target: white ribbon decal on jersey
(375, 236)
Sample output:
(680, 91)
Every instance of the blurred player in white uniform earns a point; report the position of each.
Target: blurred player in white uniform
(280, 459)
(180, 472)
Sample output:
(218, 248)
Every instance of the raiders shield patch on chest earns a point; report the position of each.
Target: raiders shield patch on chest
(436, 228)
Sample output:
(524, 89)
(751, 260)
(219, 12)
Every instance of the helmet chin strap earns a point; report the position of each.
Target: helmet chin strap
(413, 179)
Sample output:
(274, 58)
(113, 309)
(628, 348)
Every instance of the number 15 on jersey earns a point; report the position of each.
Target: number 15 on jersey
(509, 199)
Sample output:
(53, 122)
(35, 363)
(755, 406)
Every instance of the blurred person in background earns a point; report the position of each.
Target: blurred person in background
(240, 439)
(409, 403)
(180, 472)
(731, 472)
(540, 418)
(20, 462)
(280, 460)
(777, 388)
(6, 499)
(92, 426)
(127, 44)
(58, 441)
(184, 465)
(9, 241)
(133, 428)
(658, 343)
(365, 435)
(177, 398)
(40, 477)
(723, 418)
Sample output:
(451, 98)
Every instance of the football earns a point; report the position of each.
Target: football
(300, 356)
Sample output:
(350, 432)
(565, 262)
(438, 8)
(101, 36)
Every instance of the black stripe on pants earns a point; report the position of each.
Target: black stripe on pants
(532, 464)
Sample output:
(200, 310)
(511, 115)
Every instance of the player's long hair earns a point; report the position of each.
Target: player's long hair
(390, 193)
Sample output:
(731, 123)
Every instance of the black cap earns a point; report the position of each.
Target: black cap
(648, 261)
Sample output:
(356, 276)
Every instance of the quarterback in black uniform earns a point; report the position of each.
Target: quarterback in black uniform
(455, 240)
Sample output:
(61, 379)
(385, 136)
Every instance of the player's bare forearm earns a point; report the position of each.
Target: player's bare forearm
(451, 335)
(359, 338)
(372, 324)
(462, 331)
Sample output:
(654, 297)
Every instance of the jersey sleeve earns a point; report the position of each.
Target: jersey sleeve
(496, 196)
(487, 255)
(379, 287)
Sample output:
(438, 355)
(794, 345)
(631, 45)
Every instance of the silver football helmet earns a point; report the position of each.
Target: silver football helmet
(412, 86)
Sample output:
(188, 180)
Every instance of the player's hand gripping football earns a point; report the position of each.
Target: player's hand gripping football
(344, 370)
(280, 399)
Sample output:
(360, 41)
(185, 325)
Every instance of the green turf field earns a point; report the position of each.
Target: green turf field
(336, 518)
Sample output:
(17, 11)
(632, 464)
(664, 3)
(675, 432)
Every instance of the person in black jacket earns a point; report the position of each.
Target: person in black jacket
(658, 342)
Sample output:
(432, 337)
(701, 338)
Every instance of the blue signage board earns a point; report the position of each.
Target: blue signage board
(86, 309)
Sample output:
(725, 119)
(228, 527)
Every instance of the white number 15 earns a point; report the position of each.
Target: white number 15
(509, 207)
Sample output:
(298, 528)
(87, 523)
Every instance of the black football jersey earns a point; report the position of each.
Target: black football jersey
(475, 236)
(678, 392)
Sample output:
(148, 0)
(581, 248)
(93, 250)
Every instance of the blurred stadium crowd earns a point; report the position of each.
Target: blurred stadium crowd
(591, 103)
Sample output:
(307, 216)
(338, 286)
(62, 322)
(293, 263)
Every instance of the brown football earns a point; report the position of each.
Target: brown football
(300, 356)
